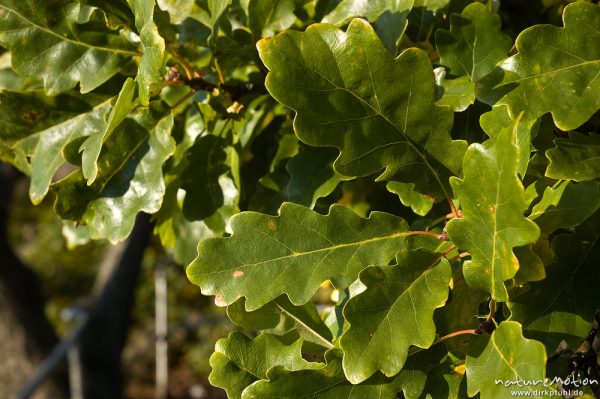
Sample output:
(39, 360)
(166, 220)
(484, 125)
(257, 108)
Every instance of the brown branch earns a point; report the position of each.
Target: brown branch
(456, 334)
(459, 256)
(439, 236)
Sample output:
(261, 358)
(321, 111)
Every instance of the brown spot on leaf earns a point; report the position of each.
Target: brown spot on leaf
(30, 116)
(238, 273)
(371, 334)
(492, 209)
(271, 224)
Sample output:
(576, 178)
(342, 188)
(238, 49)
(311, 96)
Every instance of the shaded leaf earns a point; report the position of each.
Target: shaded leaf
(24, 115)
(200, 179)
(531, 266)
(467, 123)
(562, 306)
(338, 83)
(177, 234)
(325, 383)
(395, 312)
(129, 181)
(152, 65)
(474, 44)
(568, 205)
(267, 17)
(280, 317)
(216, 9)
(312, 175)
(576, 158)
(514, 358)
(492, 199)
(459, 313)
(556, 69)
(45, 44)
(429, 374)
(239, 361)
(419, 203)
(9, 80)
(293, 253)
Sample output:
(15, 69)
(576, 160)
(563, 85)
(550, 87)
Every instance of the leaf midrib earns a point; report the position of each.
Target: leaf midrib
(554, 71)
(311, 252)
(510, 367)
(407, 291)
(409, 141)
(310, 330)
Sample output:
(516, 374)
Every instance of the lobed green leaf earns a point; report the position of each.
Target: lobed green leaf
(514, 358)
(47, 42)
(556, 69)
(492, 199)
(393, 313)
(239, 361)
(339, 85)
(293, 253)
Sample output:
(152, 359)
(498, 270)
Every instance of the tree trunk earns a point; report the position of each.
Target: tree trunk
(26, 336)
(105, 336)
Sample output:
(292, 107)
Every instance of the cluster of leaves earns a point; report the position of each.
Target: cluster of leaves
(433, 161)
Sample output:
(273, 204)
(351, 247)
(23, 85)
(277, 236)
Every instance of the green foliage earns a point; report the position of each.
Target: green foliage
(556, 69)
(291, 150)
(239, 361)
(514, 356)
(395, 312)
(493, 201)
(293, 253)
(339, 85)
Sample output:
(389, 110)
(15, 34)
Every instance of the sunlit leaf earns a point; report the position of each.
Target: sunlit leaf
(152, 65)
(492, 199)
(556, 69)
(498, 118)
(91, 147)
(45, 44)
(293, 253)
(419, 203)
(130, 180)
(514, 358)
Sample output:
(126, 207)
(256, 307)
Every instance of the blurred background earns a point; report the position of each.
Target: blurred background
(44, 285)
